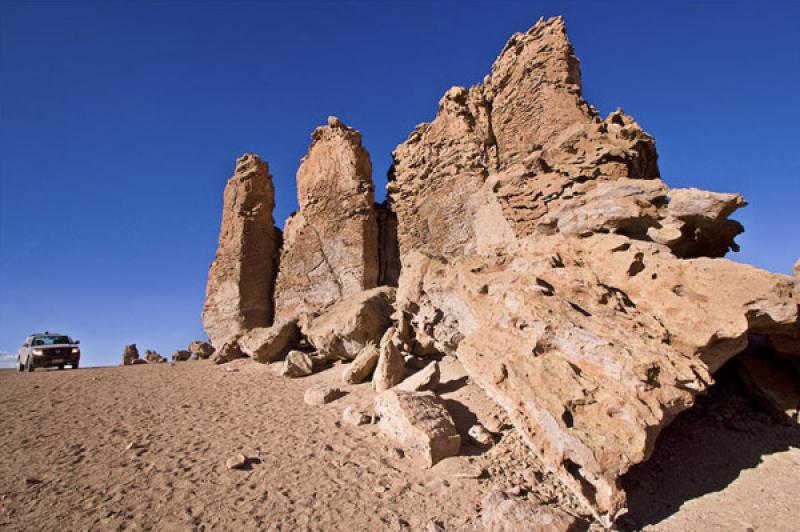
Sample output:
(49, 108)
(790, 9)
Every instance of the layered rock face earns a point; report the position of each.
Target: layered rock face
(540, 247)
(240, 280)
(331, 244)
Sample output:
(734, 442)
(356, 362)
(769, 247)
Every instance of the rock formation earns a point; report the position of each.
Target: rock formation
(181, 355)
(330, 248)
(541, 248)
(200, 349)
(153, 357)
(240, 281)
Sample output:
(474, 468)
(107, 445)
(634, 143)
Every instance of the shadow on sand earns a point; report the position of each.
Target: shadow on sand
(703, 451)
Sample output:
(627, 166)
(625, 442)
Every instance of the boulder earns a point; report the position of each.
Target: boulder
(321, 394)
(346, 327)
(201, 350)
(425, 379)
(480, 435)
(391, 366)
(267, 344)
(181, 355)
(240, 280)
(330, 246)
(297, 364)
(229, 351)
(362, 366)
(237, 461)
(153, 357)
(501, 512)
(130, 354)
(420, 422)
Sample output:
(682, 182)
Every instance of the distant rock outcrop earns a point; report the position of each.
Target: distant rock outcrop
(330, 248)
(240, 281)
(130, 355)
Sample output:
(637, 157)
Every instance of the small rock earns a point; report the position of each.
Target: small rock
(321, 394)
(354, 417)
(434, 526)
(480, 435)
(297, 364)
(231, 370)
(181, 355)
(391, 368)
(237, 461)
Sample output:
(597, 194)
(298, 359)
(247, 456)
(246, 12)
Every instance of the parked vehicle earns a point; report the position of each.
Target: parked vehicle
(48, 350)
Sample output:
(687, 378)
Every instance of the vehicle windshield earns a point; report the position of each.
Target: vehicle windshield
(51, 340)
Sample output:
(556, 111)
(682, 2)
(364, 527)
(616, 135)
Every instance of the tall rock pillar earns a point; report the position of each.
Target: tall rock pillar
(241, 278)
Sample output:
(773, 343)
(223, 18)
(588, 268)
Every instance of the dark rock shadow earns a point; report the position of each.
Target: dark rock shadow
(703, 451)
(452, 385)
(249, 463)
(464, 418)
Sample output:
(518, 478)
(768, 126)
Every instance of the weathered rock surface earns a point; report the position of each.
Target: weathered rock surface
(420, 422)
(349, 325)
(796, 268)
(267, 344)
(130, 354)
(330, 248)
(501, 512)
(181, 355)
(240, 280)
(321, 394)
(200, 349)
(425, 379)
(593, 345)
(297, 364)
(153, 357)
(391, 367)
(362, 366)
(523, 154)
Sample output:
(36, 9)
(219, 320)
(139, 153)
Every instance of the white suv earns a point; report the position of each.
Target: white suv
(48, 350)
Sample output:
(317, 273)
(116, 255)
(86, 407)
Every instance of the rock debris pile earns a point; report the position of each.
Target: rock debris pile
(531, 239)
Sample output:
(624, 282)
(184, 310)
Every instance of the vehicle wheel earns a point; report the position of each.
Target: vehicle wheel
(29, 364)
(61, 367)
(75, 365)
(20, 366)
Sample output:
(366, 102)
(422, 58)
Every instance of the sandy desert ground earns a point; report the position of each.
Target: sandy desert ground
(144, 447)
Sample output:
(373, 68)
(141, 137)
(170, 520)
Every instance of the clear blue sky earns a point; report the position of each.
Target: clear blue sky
(121, 121)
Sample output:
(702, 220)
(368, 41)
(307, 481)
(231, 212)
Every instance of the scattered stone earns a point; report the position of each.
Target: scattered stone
(362, 366)
(153, 357)
(420, 422)
(237, 461)
(129, 355)
(321, 394)
(240, 280)
(434, 526)
(181, 355)
(502, 513)
(30, 481)
(228, 352)
(352, 416)
(330, 246)
(425, 379)
(391, 367)
(480, 435)
(231, 370)
(297, 364)
(267, 344)
(343, 330)
(201, 350)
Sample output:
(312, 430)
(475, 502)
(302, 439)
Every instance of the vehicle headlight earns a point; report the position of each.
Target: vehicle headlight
(38, 352)
(75, 350)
